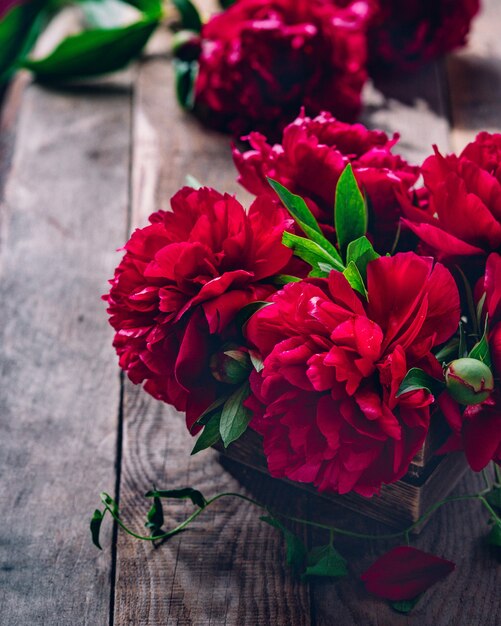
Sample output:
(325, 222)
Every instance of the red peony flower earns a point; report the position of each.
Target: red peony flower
(312, 157)
(326, 400)
(179, 286)
(477, 429)
(462, 217)
(405, 573)
(408, 34)
(262, 59)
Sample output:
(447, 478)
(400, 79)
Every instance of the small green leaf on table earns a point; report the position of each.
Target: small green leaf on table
(186, 493)
(404, 606)
(326, 561)
(494, 498)
(93, 52)
(350, 213)
(155, 517)
(494, 537)
(95, 527)
(295, 548)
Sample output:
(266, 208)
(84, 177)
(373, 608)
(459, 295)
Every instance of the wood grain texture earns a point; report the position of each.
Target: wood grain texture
(63, 211)
(475, 79)
(229, 570)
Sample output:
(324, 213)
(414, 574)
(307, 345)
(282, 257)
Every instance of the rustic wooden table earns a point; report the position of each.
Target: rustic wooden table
(79, 168)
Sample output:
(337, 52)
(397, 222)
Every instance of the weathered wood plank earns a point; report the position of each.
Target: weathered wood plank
(230, 569)
(63, 212)
(475, 79)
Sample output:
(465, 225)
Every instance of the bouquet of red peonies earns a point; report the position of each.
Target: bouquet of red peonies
(356, 302)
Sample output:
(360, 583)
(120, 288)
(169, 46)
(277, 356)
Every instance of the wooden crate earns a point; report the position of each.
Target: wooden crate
(430, 479)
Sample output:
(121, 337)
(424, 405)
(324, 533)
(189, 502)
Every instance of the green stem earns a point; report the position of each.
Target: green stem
(470, 302)
(486, 478)
(331, 529)
(497, 472)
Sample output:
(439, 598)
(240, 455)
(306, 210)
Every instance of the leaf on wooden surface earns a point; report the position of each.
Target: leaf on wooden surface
(93, 52)
(155, 517)
(325, 561)
(95, 527)
(404, 606)
(186, 493)
(295, 548)
(494, 538)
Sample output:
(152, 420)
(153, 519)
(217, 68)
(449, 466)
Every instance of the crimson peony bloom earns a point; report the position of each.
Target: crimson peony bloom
(326, 400)
(462, 217)
(477, 429)
(180, 284)
(263, 59)
(404, 573)
(311, 158)
(405, 35)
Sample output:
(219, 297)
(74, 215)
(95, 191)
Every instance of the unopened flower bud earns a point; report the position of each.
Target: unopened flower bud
(231, 365)
(469, 381)
(186, 45)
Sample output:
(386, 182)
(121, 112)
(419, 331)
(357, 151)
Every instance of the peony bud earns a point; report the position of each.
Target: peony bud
(469, 381)
(231, 366)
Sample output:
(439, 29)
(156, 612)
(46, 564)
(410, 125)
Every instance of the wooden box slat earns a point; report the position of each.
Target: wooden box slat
(399, 505)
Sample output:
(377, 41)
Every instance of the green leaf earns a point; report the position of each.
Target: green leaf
(481, 350)
(494, 538)
(151, 8)
(187, 493)
(190, 18)
(295, 548)
(256, 360)
(451, 348)
(18, 30)
(108, 501)
(480, 309)
(246, 312)
(284, 279)
(210, 410)
(105, 14)
(299, 210)
(308, 250)
(226, 4)
(350, 214)
(494, 498)
(93, 52)
(361, 253)
(235, 417)
(210, 434)
(95, 527)
(185, 74)
(353, 276)
(326, 561)
(405, 606)
(155, 517)
(418, 379)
